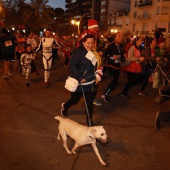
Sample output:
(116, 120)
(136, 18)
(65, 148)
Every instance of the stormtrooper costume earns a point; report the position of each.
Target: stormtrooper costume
(46, 44)
(25, 61)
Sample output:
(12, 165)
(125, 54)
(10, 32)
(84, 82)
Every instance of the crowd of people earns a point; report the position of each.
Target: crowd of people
(88, 59)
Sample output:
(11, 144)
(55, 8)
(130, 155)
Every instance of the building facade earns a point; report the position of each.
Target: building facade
(147, 15)
(131, 17)
(144, 17)
(103, 11)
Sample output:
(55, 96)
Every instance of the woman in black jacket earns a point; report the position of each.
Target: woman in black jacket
(113, 54)
(84, 63)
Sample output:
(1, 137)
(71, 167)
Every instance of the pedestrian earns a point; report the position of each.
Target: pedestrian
(134, 70)
(83, 64)
(158, 34)
(26, 62)
(114, 54)
(8, 43)
(46, 44)
(67, 49)
(55, 50)
(148, 65)
(160, 50)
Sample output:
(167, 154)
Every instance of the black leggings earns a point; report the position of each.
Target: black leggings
(133, 79)
(145, 79)
(114, 74)
(75, 97)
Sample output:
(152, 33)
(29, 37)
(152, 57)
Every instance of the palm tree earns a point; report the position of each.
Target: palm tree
(38, 15)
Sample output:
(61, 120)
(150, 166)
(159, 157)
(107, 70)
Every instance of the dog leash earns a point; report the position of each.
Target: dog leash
(87, 110)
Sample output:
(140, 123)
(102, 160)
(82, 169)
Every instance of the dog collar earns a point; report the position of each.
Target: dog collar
(91, 137)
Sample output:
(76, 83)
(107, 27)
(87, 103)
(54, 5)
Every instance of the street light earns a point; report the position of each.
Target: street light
(74, 22)
(113, 31)
(78, 22)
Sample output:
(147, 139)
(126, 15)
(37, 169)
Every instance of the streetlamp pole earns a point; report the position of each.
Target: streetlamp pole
(80, 21)
(82, 18)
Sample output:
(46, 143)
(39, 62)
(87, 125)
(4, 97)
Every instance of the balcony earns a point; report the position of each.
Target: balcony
(144, 4)
(146, 16)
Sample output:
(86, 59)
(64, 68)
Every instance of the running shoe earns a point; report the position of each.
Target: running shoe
(124, 94)
(105, 98)
(142, 93)
(97, 102)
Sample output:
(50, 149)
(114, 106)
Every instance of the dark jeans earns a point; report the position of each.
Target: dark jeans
(114, 74)
(66, 60)
(133, 79)
(75, 97)
(18, 55)
(145, 79)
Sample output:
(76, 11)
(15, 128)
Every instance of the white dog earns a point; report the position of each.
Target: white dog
(81, 134)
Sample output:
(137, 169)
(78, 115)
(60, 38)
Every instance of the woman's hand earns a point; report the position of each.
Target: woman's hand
(141, 59)
(83, 80)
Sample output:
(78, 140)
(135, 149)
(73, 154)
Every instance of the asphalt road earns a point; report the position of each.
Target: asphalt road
(28, 131)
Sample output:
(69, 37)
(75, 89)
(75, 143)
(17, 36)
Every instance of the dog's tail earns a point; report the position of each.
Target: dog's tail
(58, 118)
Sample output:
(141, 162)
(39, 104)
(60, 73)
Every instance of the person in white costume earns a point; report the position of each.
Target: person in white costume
(46, 44)
(26, 59)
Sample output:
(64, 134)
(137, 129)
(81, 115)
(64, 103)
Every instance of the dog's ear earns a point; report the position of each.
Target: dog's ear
(92, 131)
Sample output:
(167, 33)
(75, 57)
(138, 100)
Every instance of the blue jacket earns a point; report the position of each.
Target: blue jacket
(81, 68)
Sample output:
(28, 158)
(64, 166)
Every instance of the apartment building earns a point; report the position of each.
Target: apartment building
(143, 18)
(110, 11)
(137, 17)
(147, 15)
(101, 10)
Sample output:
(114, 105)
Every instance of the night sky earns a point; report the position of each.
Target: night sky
(57, 3)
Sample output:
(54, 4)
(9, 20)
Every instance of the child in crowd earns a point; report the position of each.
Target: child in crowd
(25, 61)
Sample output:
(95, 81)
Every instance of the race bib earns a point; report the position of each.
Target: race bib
(47, 49)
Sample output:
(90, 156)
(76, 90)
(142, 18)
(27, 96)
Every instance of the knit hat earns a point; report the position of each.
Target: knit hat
(92, 23)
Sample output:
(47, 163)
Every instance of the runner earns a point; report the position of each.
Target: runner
(46, 44)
